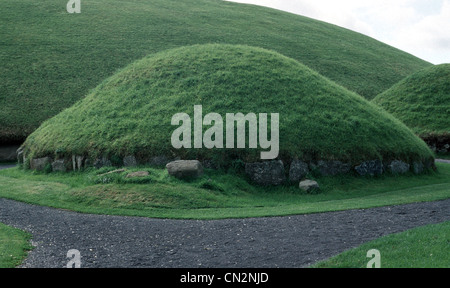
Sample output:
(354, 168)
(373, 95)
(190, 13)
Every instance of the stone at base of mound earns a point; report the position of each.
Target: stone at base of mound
(298, 171)
(270, 173)
(39, 164)
(309, 186)
(331, 168)
(370, 168)
(185, 169)
(399, 167)
(59, 166)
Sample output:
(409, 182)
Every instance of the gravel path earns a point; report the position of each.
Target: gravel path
(7, 166)
(287, 242)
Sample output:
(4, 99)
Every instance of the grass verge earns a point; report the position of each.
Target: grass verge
(14, 245)
(216, 195)
(423, 247)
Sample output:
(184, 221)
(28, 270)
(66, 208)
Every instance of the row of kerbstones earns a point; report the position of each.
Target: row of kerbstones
(78, 163)
(273, 172)
(268, 173)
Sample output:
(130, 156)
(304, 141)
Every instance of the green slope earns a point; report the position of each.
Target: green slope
(131, 112)
(50, 59)
(421, 101)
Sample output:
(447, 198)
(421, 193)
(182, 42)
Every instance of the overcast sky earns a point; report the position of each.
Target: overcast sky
(419, 27)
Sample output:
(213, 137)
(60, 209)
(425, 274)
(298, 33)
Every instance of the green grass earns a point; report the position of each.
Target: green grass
(423, 247)
(215, 196)
(130, 113)
(51, 59)
(421, 101)
(14, 246)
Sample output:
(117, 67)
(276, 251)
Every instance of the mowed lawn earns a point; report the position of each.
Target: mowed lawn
(423, 247)
(14, 245)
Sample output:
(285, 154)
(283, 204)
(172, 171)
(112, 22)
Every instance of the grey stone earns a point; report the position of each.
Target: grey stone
(185, 169)
(138, 174)
(417, 167)
(309, 186)
(74, 163)
(129, 161)
(59, 165)
(331, 168)
(270, 173)
(40, 163)
(399, 167)
(20, 155)
(79, 162)
(370, 168)
(102, 162)
(298, 171)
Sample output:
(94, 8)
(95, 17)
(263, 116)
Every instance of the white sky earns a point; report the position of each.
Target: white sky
(419, 27)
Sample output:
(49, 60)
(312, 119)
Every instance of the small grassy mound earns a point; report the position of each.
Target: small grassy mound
(131, 112)
(421, 101)
(51, 59)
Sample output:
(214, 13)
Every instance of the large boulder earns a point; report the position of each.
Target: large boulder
(59, 165)
(331, 168)
(418, 167)
(399, 167)
(298, 171)
(185, 169)
(269, 173)
(370, 168)
(39, 164)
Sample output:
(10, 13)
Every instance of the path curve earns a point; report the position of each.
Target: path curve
(287, 242)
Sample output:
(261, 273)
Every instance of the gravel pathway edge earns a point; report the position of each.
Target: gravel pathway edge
(133, 242)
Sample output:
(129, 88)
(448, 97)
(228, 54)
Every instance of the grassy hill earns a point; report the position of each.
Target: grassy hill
(422, 102)
(50, 59)
(131, 112)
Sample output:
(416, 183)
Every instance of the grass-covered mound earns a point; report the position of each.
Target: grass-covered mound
(50, 58)
(422, 102)
(131, 112)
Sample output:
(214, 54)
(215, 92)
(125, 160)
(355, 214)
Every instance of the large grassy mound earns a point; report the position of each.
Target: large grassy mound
(50, 59)
(422, 102)
(131, 112)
